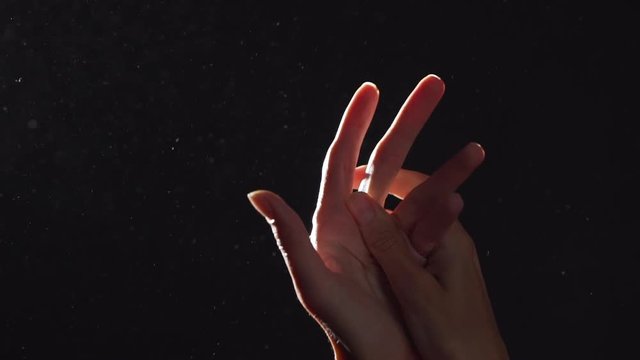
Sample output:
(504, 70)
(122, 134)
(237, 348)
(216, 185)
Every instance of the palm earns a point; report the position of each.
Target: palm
(357, 279)
(338, 240)
(343, 251)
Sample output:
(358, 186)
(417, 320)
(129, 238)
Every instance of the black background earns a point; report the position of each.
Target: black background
(130, 133)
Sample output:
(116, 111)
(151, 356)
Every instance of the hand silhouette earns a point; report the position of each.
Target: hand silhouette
(335, 276)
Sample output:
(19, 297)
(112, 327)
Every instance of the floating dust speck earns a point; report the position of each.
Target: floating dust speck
(32, 124)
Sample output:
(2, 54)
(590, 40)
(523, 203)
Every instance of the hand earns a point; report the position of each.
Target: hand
(336, 279)
(445, 305)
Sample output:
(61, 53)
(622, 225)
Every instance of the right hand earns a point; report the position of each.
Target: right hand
(445, 304)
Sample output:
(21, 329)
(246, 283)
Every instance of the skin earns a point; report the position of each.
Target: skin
(445, 303)
(335, 271)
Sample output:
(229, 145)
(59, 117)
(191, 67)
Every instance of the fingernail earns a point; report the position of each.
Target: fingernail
(260, 204)
(361, 207)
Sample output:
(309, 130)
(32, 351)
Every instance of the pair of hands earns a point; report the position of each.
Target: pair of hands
(383, 284)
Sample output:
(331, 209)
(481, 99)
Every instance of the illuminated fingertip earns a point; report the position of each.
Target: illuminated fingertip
(482, 152)
(433, 82)
(369, 84)
(478, 145)
(476, 151)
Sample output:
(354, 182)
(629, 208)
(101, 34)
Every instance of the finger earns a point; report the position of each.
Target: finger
(431, 229)
(418, 293)
(307, 270)
(404, 182)
(455, 261)
(342, 156)
(389, 154)
(358, 176)
(388, 245)
(441, 214)
(444, 181)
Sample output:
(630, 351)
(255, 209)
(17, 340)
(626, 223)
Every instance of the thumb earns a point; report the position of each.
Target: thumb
(389, 246)
(307, 270)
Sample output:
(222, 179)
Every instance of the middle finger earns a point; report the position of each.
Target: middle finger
(389, 154)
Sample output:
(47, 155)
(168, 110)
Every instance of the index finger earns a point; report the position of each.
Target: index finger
(342, 156)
